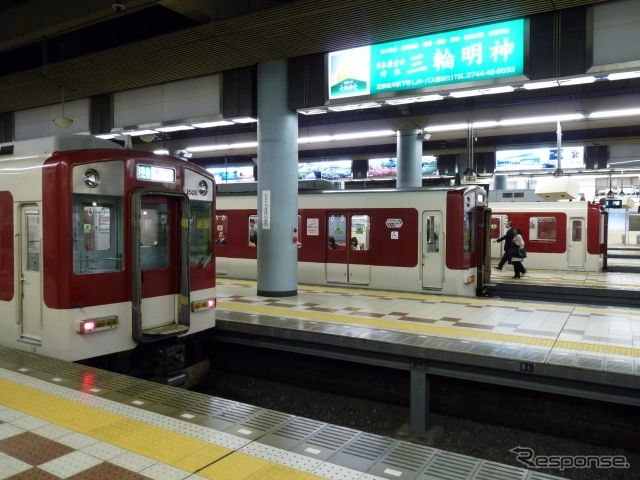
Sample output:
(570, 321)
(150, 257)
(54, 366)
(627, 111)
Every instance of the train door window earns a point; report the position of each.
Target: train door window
(337, 232)
(97, 234)
(154, 234)
(543, 229)
(360, 226)
(432, 227)
(200, 249)
(576, 230)
(253, 231)
(222, 229)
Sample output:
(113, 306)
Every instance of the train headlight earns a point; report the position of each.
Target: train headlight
(91, 178)
(206, 304)
(92, 325)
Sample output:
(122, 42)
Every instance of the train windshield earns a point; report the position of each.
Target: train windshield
(97, 234)
(200, 233)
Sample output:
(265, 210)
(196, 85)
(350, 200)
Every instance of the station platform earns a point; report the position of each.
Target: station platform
(575, 350)
(610, 288)
(63, 420)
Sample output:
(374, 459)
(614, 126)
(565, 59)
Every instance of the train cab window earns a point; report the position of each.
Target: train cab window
(154, 236)
(360, 226)
(200, 251)
(97, 234)
(431, 234)
(543, 229)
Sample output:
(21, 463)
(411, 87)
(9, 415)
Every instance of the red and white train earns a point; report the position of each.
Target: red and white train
(420, 240)
(103, 249)
(557, 235)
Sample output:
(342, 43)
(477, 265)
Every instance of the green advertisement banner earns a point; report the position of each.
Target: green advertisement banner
(468, 55)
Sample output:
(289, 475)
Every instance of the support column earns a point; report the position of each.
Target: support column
(277, 183)
(409, 148)
(419, 401)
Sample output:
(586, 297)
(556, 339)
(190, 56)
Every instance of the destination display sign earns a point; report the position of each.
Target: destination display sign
(471, 54)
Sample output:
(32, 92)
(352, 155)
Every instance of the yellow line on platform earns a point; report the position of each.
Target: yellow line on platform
(399, 325)
(162, 445)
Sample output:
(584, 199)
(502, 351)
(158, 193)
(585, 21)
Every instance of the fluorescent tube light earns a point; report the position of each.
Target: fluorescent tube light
(162, 151)
(244, 120)
(577, 81)
(430, 98)
(447, 128)
(107, 136)
(501, 89)
(466, 93)
(358, 135)
(623, 75)
(174, 128)
(313, 111)
(541, 119)
(315, 139)
(216, 123)
(138, 133)
(485, 124)
(625, 112)
(537, 85)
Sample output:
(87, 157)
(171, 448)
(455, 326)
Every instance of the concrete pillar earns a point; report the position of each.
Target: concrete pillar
(409, 147)
(277, 183)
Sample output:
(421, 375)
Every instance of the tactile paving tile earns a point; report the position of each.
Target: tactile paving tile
(33, 449)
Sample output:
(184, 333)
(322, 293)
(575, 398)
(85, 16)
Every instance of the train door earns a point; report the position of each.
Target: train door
(348, 247)
(160, 264)
(498, 229)
(577, 245)
(432, 251)
(30, 275)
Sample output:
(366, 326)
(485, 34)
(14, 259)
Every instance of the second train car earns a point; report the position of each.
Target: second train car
(557, 235)
(416, 240)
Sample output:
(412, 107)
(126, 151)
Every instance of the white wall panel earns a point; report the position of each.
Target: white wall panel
(169, 102)
(38, 122)
(616, 41)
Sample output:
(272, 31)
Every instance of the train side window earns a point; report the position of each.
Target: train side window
(97, 234)
(543, 229)
(360, 227)
(222, 229)
(200, 249)
(253, 231)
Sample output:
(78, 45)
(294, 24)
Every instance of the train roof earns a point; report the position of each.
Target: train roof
(57, 143)
(324, 186)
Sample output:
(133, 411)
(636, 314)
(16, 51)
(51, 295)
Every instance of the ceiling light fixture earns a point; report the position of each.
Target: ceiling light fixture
(577, 81)
(624, 112)
(215, 123)
(244, 120)
(174, 128)
(138, 133)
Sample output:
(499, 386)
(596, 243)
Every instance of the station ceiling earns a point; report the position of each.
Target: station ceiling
(100, 46)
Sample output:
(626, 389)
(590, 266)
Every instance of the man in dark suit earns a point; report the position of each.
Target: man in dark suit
(508, 240)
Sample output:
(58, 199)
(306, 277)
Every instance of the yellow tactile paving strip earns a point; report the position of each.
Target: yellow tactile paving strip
(162, 445)
(400, 325)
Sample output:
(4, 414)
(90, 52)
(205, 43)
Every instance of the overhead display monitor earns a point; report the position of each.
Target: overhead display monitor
(387, 167)
(232, 174)
(328, 170)
(468, 55)
(538, 159)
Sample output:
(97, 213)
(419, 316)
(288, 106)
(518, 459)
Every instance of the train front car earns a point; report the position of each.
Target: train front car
(122, 263)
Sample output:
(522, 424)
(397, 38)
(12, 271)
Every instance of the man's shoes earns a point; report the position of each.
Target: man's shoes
(498, 268)
(516, 276)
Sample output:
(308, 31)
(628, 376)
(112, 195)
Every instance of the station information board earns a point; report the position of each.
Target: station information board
(468, 55)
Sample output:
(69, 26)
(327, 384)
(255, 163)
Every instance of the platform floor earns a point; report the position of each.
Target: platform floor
(599, 340)
(61, 420)
(566, 278)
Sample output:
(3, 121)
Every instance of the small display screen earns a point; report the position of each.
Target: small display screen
(155, 174)
(613, 203)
